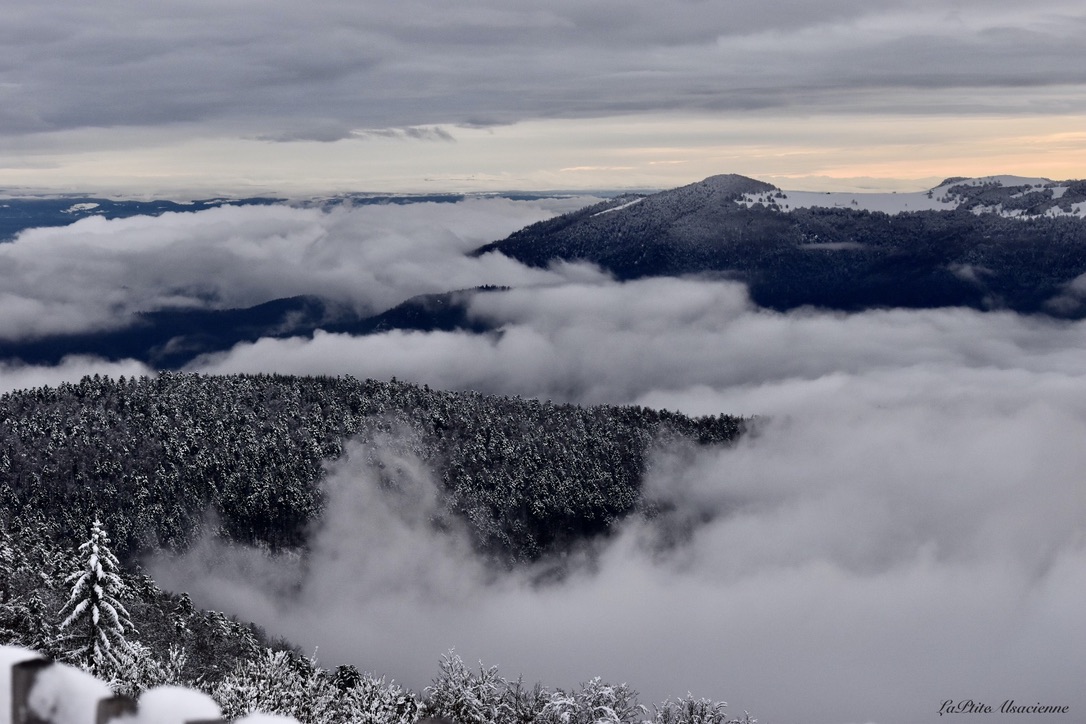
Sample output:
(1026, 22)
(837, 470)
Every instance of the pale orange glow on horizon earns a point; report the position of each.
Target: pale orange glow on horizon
(659, 151)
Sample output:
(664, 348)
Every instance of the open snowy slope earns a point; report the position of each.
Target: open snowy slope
(1010, 196)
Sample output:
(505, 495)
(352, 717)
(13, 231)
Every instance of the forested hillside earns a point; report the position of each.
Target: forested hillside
(154, 457)
(169, 642)
(838, 258)
(160, 460)
(34, 573)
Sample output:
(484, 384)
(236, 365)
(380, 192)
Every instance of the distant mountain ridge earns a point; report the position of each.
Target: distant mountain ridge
(1011, 196)
(993, 243)
(612, 225)
(168, 339)
(21, 213)
(18, 213)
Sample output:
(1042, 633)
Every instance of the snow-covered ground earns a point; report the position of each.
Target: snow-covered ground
(76, 208)
(616, 208)
(946, 197)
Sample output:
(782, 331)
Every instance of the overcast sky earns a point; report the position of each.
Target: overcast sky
(240, 96)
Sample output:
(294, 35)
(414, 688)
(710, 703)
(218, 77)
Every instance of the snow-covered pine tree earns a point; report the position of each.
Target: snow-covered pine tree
(7, 564)
(94, 618)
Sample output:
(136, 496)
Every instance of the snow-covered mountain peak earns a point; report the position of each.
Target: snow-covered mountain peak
(728, 183)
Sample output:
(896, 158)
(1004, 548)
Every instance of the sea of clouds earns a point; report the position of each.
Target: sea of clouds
(906, 527)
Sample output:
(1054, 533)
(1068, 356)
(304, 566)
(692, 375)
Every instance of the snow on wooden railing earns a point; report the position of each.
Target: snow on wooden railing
(44, 692)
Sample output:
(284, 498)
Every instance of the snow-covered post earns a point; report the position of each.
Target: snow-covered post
(115, 707)
(23, 676)
(44, 692)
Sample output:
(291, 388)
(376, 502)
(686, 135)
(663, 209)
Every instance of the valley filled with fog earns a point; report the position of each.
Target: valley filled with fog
(902, 525)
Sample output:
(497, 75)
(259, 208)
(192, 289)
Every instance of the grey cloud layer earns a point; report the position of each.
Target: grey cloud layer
(72, 368)
(906, 527)
(97, 274)
(599, 341)
(268, 69)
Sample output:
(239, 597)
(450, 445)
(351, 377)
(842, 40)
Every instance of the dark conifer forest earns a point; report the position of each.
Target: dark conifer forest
(156, 457)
